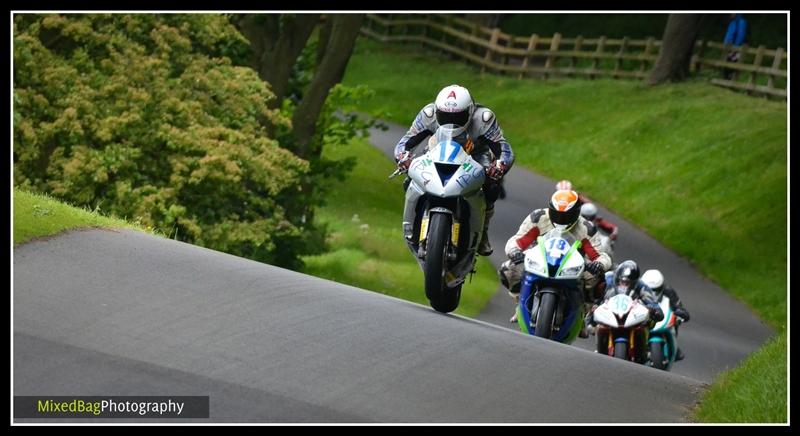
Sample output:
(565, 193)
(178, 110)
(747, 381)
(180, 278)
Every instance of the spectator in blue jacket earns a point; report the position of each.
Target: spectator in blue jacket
(736, 35)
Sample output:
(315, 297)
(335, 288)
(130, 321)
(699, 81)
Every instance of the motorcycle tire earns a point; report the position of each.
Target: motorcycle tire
(657, 355)
(442, 298)
(544, 319)
(621, 350)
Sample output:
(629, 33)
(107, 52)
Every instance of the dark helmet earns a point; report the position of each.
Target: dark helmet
(626, 276)
(564, 209)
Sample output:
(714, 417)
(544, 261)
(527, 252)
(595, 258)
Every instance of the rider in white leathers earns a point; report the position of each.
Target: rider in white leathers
(483, 140)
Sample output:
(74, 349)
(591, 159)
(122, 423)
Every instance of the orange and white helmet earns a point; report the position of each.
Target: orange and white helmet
(564, 185)
(564, 209)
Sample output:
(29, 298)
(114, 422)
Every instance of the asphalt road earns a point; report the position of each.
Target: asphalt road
(722, 331)
(102, 312)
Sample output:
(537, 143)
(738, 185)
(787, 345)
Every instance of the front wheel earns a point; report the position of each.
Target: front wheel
(657, 355)
(442, 298)
(621, 350)
(544, 319)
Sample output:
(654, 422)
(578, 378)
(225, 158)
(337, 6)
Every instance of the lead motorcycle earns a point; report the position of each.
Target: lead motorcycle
(445, 208)
(551, 300)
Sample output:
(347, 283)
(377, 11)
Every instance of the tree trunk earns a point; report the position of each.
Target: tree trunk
(677, 45)
(277, 41)
(343, 33)
(324, 38)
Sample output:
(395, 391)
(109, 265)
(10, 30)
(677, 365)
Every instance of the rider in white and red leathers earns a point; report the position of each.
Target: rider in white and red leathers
(541, 221)
(483, 140)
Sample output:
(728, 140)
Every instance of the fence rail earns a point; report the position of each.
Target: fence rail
(759, 71)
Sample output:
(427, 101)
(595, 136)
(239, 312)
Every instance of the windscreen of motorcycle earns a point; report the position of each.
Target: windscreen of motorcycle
(605, 315)
(555, 255)
(617, 310)
(638, 314)
(446, 169)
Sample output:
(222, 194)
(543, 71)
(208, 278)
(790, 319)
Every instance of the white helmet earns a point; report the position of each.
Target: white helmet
(589, 211)
(653, 279)
(454, 106)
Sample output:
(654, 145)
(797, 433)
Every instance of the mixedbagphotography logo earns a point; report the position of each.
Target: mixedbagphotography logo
(111, 407)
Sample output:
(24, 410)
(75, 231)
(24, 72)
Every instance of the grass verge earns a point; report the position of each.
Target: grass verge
(37, 215)
(754, 392)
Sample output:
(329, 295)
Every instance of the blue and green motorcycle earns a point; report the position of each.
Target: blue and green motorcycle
(551, 300)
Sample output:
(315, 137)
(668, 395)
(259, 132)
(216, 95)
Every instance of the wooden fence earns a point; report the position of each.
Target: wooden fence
(758, 71)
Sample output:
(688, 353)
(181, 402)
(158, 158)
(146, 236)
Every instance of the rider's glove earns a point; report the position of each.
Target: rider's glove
(516, 256)
(682, 313)
(655, 311)
(595, 268)
(403, 160)
(497, 170)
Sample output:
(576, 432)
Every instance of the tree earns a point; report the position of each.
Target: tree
(338, 41)
(276, 41)
(313, 98)
(677, 45)
(147, 117)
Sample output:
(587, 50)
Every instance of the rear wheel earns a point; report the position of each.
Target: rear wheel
(544, 319)
(442, 298)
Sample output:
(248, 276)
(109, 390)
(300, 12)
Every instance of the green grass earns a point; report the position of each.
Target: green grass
(37, 215)
(364, 214)
(701, 168)
(755, 392)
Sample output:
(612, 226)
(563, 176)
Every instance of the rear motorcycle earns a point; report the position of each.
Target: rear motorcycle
(663, 338)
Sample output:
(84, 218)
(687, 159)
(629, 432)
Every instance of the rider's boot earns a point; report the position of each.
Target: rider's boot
(484, 247)
(408, 231)
(679, 354)
(516, 303)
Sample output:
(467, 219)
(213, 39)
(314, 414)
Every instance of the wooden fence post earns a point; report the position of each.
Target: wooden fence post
(757, 64)
(575, 48)
(509, 44)
(776, 64)
(489, 51)
(601, 45)
(475, 49)
(618, 62)
(647, 49)
(534, 39)
(553, 54)
(743, 49)
(697, 60)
